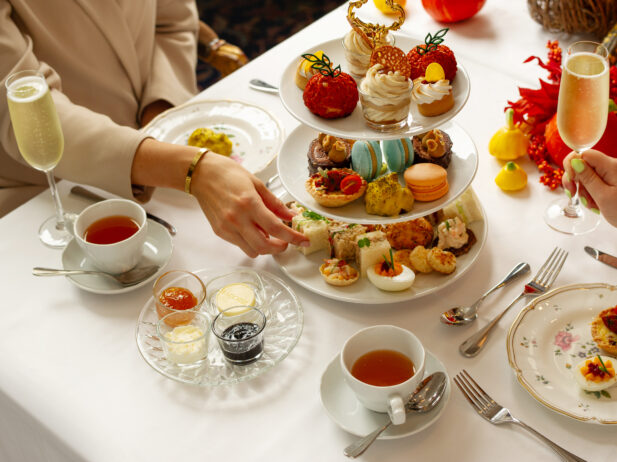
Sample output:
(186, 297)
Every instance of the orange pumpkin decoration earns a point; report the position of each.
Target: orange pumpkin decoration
(452, 10)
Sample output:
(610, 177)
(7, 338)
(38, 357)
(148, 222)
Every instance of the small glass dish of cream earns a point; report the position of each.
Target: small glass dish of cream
(243, 288)
(184, 340)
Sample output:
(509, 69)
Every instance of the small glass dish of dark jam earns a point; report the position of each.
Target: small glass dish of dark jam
(240, 334)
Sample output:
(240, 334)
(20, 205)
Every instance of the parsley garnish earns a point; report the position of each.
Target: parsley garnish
(313, 216)
(365, 242)
(447, 225)
(391, 262)
(603, 368)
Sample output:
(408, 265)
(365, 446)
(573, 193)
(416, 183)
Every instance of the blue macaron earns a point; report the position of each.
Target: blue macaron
(366, 159)
(399, 154)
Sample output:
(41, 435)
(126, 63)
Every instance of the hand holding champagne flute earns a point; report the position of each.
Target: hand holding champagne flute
(40, 141)
(582, 111)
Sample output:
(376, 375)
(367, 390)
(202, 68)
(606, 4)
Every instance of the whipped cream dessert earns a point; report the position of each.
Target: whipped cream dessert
(385, 97)
(428, 92)
(358, 52)
(185, 344)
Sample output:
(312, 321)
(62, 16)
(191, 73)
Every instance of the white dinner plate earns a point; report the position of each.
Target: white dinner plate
(304, 270)
(292, 166)
(255, 133)
(157, 251)
(353, 126)
(346, 411)
(549, 337)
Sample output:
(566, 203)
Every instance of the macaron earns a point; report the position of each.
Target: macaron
(399, 154)
(427, 182)
(366, 159)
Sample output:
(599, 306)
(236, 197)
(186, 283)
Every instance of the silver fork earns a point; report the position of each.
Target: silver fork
(542, 281)
(497, 414)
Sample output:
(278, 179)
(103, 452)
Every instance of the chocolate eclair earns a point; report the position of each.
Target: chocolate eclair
(434, 146)
(327, 151)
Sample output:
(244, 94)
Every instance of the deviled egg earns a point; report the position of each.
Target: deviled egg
(391, 276)
(596, 373)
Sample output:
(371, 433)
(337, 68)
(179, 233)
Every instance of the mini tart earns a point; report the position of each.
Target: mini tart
(604, 338)
(438, 107)
(334, 198)
(344, 275)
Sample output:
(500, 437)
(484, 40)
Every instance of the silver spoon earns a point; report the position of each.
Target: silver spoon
(260, 85)
(128, 278)
(425, 398)
(461, 315)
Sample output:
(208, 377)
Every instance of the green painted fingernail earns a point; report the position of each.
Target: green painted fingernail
(578, 165)
(569, 194)
(584, 201)
(596, 211)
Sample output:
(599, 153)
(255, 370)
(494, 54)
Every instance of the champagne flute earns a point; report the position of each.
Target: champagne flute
(39, 138)
(582, 111)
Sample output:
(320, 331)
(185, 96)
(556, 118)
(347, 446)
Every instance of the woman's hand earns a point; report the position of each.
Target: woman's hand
(241, 209)
(596, 174)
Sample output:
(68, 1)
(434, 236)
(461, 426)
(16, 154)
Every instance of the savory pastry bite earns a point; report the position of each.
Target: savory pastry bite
(453, 236)
(399, 154)
(390, 276)
(313, 226)
(595, 374)
(402, 256)
(215, 142)
(385, 92)
(434, 146)
(327, 151)
(441, 261)
(410, 234)
(432, 92)
(338, 272)
(330, 93)
(432, 51)
(604, 330)
(466, 207)
(305, 70)
(366, 159)
(386, 197)
(336, 187)
(371, 247)
(358, 47)
(418, 258)
(343, 240)
(428, 182)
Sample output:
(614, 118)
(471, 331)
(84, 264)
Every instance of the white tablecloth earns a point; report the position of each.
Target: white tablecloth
(74, 387)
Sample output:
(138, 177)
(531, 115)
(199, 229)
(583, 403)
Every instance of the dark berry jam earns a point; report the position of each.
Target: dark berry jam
(243, 345)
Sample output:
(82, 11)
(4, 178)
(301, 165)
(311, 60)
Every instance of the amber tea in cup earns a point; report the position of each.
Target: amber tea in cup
(112, 229)
(383, 368)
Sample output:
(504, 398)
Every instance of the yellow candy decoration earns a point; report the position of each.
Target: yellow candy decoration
(511, 177)
(384, 8)
(509, 142)
(434, 73)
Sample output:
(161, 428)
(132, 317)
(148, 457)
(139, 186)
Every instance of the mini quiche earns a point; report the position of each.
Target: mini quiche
(338, 272)
(604, 330)
(336, 187)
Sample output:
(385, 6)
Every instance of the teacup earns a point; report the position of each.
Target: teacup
(395, 340)
(120, 256)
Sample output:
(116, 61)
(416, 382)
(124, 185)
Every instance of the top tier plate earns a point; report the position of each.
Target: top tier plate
(353, 126)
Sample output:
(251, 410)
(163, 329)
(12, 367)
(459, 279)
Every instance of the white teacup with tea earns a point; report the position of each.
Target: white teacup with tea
(112, 233)
(383, 365)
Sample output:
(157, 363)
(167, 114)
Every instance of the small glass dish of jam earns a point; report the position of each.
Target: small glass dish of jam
(239, 331)
(180, 292)
(239, 289)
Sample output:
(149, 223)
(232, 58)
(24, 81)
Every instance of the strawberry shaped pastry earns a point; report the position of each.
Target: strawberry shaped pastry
(432, 51)
(330, 93)
(335, 187)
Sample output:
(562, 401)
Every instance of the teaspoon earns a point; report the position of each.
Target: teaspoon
(425, 398)
(128, 278)
(461, 315)
(260, 85)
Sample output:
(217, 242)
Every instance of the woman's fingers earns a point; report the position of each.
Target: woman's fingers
(605, 166)
(587, 200)
(272, 202)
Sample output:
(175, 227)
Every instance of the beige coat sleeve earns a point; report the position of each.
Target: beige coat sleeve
(172, 76)
(97, 151)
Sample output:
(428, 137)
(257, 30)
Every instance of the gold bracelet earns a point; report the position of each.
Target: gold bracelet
(189, 174)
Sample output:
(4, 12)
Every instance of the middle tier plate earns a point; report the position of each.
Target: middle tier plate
(293, 171)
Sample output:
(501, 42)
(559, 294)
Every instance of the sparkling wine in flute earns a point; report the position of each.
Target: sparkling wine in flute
(583, 99)
(40, 141)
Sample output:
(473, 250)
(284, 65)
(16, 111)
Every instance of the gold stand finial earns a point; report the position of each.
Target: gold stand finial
(374, 32)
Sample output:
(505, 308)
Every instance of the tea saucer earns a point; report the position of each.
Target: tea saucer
(344, 409)
(157, 251)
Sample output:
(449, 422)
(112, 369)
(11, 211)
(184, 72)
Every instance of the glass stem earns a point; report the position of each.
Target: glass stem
(56, 198)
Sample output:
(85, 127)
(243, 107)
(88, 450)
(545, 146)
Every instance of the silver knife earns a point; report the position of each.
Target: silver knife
(602, 256)
(83, 192)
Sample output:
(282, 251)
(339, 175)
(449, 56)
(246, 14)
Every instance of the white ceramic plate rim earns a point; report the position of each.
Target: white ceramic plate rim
(153, 127)
(393, 432)
(299, 141)
(153, 228)
(382, 297)
(346, 127)
(512, 359)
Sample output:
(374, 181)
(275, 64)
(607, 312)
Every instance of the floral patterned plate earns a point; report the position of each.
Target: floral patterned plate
(549, 337)
(255, 133)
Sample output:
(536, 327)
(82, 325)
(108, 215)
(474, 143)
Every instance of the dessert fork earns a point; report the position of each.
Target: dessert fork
(497, 414)
(541, 282)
